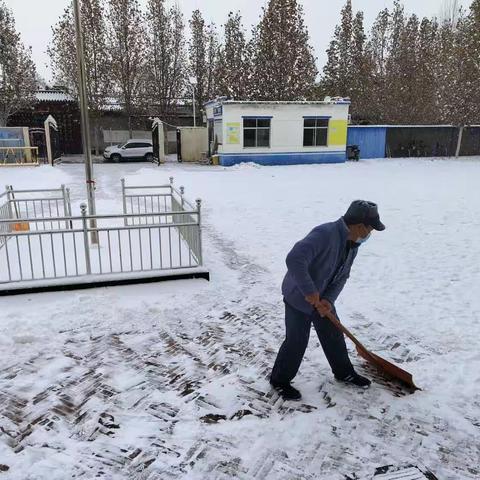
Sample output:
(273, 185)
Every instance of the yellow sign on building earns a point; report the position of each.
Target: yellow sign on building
(233, 133)
(337, 132)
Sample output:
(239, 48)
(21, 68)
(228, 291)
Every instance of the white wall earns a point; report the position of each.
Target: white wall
(194, 141)
(122, 136)
(286, 127)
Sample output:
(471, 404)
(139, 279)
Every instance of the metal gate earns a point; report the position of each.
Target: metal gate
(164, 139)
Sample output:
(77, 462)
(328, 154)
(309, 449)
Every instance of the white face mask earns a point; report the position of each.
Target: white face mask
(363, 239)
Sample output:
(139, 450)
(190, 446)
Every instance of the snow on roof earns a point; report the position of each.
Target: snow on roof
(111, 104)
(331, 101)
(273, 102)
(54, 96)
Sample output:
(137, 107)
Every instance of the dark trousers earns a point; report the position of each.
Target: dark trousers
(290, 355)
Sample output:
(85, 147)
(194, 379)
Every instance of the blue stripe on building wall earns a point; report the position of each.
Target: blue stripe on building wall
(370, 140)
(288, 158)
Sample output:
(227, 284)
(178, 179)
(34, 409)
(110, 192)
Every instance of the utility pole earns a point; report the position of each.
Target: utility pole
(194, 114)
(82, 91)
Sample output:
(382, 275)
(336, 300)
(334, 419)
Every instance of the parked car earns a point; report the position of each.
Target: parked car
(133, 149)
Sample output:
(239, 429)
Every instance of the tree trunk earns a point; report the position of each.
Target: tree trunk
(130, 133)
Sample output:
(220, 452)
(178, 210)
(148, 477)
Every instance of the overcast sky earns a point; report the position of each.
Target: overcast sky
(34, 18)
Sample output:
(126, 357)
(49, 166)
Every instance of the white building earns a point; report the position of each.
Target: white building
(277, 133)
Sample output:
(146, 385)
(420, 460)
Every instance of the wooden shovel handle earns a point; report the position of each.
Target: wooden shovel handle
(334, 319)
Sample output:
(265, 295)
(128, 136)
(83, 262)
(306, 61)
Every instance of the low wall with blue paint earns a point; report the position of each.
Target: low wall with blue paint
(371, 140)
(295, 158)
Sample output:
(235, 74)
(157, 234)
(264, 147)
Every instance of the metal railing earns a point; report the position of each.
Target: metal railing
(44, 204)
(123, 248)
(181, 214)
(140, 199)
(146, 201)
(5, 214)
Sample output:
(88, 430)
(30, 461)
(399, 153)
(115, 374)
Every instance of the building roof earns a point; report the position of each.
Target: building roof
(111, 104)
(330, 101)
(54, 96)
(59, 96)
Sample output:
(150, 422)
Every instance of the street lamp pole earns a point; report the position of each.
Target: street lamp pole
(194, 114)
(82, 92)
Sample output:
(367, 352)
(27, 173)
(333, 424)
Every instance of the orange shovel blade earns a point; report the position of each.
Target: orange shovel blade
(380, 363)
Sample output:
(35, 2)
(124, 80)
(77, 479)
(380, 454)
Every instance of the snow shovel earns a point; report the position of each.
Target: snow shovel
(380, 363)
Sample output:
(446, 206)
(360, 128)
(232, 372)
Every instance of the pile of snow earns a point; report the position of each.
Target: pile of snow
(245, 166)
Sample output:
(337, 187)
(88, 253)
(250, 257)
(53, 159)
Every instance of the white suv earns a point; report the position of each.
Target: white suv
(135, 148)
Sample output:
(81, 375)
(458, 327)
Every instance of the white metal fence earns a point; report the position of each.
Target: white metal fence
(145, 202)
(44, 204)
(4, 215)
(130, 243)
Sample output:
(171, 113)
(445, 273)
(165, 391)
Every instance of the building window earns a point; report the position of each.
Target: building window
(256, 132)
(315, 132)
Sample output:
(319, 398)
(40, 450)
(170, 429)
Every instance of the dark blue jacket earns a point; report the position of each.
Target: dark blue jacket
(318, 264)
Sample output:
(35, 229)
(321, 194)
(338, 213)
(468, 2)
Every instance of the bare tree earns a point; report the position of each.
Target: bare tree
(213, 47)
(17, 70)
(284, 65)
(197, 52)
(62, 51)
(346, 72)
(127, 48)
(450, 12)
(167, 58)
(232, 67)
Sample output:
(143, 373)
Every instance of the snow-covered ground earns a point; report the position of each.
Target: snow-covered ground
(168, 380)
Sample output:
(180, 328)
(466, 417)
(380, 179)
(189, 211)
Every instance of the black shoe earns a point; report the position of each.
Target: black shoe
(286, 391)
(355, 379)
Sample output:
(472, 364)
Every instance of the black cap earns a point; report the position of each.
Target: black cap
(363, 211)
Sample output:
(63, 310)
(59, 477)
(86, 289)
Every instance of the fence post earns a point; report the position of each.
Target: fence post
(182, 191)
(171, 197)
(200, 255)
(83, 208)
(10, 200)
(65, 206)
(69, 206)
(9, 207)
(124, 199)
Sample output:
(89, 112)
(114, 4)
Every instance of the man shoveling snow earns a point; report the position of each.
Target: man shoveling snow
(318, 268)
